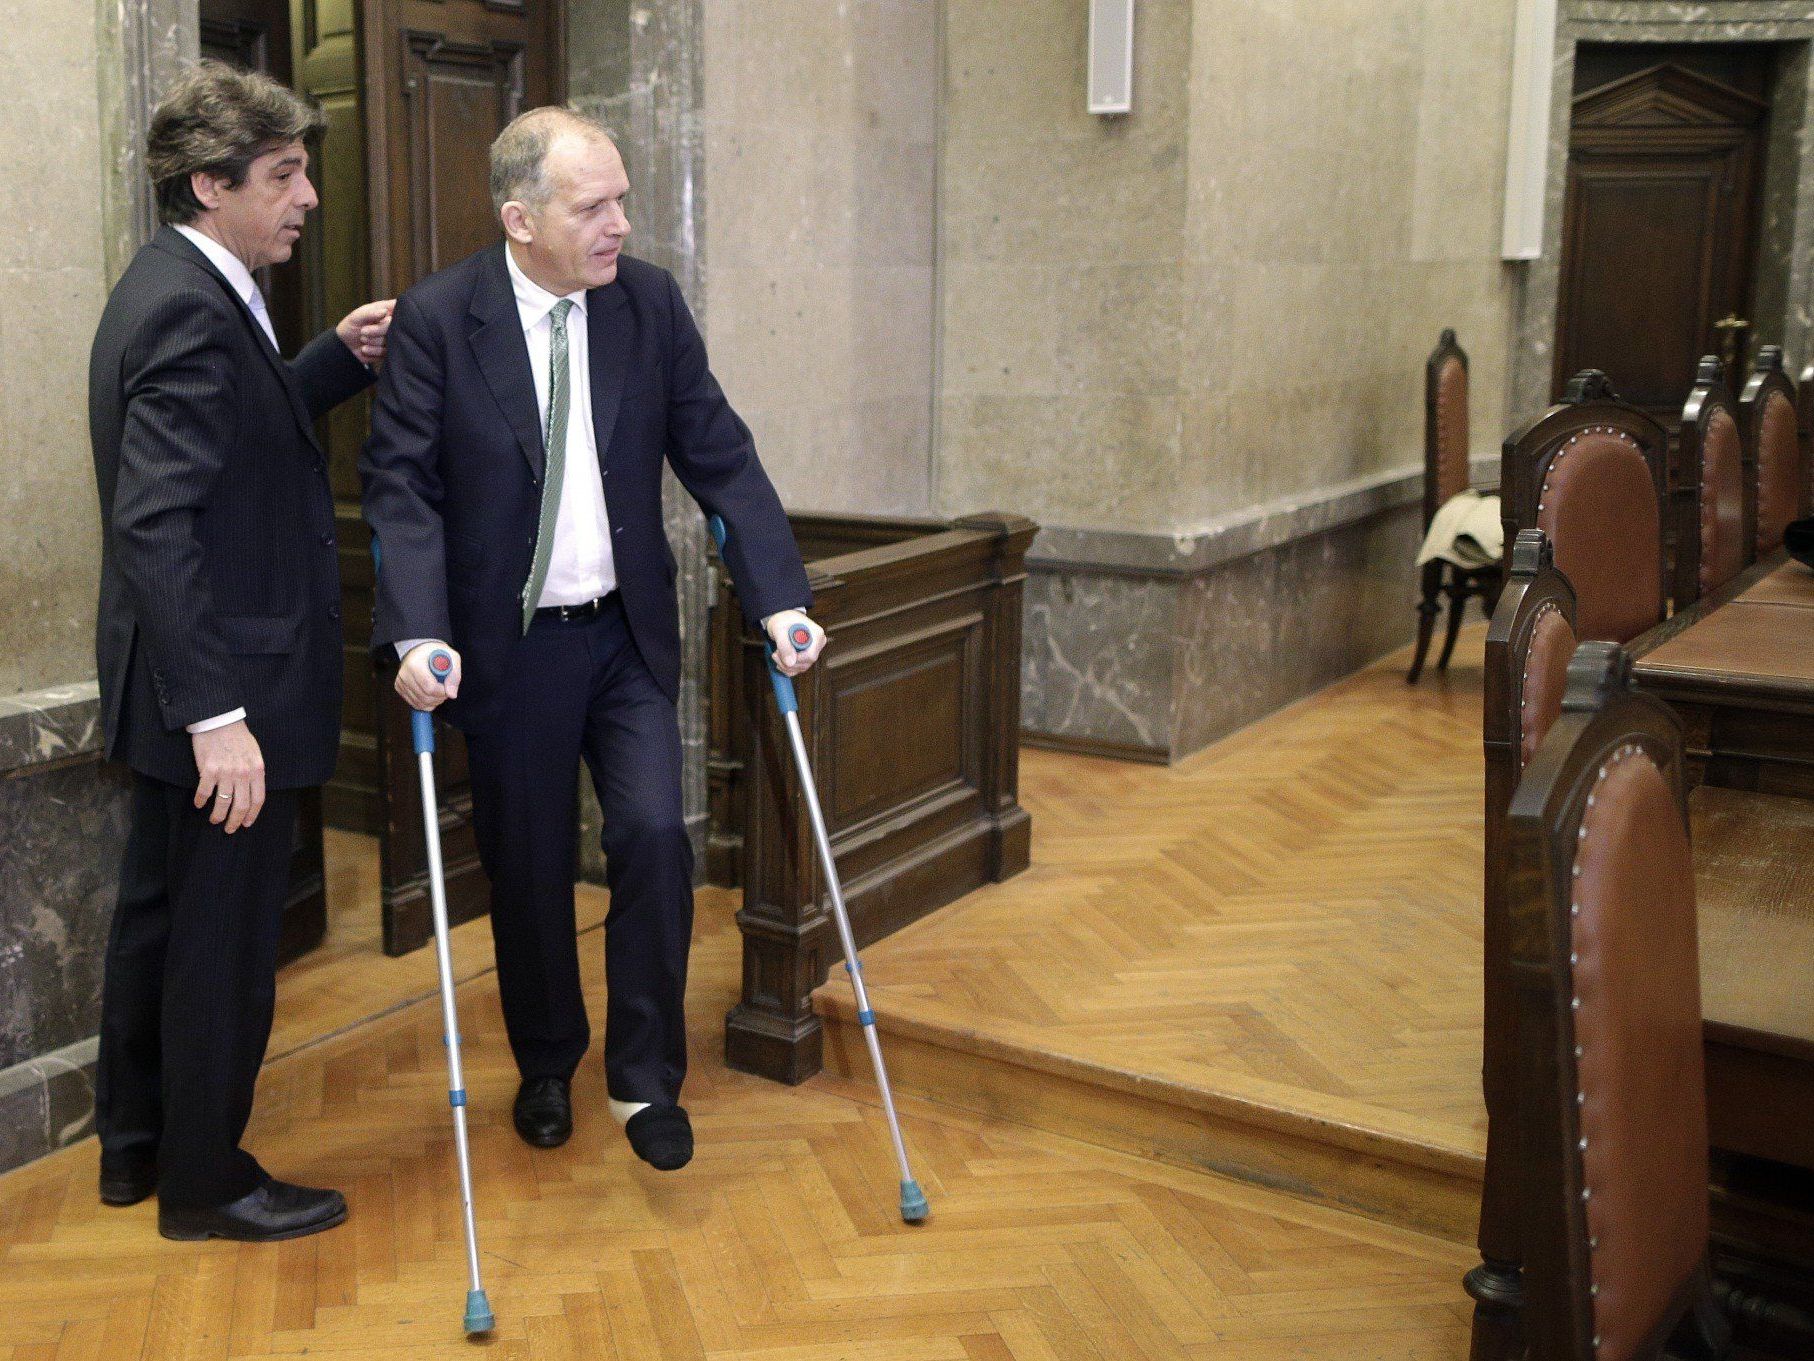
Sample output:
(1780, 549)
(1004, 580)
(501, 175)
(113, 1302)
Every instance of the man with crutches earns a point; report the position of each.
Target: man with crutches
(513, 476)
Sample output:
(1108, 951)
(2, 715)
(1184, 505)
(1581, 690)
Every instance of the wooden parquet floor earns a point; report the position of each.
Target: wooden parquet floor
(781, 1241)
(1271, 913)
(1287, 923)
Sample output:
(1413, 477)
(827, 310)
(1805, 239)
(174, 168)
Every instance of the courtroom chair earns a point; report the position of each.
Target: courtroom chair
(1528, 646)
(1775, 465)
(1589, 473)
(1611, 1083)
(1714, 536)
(1446, 475)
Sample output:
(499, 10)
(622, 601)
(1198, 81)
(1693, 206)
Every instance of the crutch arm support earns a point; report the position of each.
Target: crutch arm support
(783, 684)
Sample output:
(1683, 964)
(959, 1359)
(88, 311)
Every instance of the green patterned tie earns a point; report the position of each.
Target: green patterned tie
(555, 457)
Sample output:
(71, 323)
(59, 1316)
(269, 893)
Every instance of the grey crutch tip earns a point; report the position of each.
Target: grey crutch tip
(913, 1202)
(478, 1312)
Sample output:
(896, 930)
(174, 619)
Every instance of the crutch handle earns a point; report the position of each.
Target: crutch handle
(421, 721)
(800, 636)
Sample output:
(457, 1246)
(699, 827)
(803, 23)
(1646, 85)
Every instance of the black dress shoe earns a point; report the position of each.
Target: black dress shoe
(127, 1181)
(275, 1211)
(544, 1111)
(662, 1136)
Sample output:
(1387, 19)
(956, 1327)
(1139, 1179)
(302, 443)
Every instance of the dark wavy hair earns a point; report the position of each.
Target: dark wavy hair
(218, 120)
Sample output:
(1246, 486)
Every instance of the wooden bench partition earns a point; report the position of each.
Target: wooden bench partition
(912, 723)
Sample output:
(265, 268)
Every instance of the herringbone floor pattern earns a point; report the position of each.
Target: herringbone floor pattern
(781, 1241)
(1292, 916)
(1275, 911)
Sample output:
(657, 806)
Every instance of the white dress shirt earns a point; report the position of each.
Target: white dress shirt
(234, 271)
(580, 567)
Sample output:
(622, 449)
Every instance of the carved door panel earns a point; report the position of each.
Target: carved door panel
(256, 34)
(442, 77)
(1659, 231)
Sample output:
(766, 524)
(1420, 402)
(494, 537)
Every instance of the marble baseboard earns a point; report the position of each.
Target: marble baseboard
(65, 815)
(46, 1103)
(1157, 663)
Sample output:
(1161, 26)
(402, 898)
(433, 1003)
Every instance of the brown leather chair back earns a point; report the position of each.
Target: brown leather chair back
(1445, 427)
(1775, 464)
(1589, 474)
(1606, 969)
(1714, 538)
(1528, 646)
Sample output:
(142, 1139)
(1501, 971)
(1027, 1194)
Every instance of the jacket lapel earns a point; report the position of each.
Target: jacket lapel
(168, 238)
(503, 354)
(610, 340)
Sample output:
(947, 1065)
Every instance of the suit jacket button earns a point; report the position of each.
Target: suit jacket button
(333, 611)
(327, 540)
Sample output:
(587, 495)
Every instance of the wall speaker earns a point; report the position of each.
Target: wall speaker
(1111, 56)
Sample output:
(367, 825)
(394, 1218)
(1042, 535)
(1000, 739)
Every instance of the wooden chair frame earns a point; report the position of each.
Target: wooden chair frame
(1438, 578)
(1768, 377)
(1601, 714)
(1534, 587)
(1588, 403)
(1707, 398)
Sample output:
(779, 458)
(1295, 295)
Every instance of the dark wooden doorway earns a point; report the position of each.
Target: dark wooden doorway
(1660, 223)
(256, 34)
(414, 92)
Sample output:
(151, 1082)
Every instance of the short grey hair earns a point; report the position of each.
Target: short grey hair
(217, 121)
(519, 156)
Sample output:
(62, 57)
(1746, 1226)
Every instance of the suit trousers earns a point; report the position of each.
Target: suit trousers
(580, 690)
(190, 983)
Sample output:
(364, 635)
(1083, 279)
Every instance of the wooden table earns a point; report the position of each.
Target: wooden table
(1738, 668)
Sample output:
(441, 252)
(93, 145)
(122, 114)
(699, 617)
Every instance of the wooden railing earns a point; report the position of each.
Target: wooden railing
(912, 723)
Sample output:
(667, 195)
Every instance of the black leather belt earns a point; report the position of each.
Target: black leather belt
(575, 614)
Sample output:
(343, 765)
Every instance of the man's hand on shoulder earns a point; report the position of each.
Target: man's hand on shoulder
(790, 659)
(363, 329)
(418, 685)
(232, 775)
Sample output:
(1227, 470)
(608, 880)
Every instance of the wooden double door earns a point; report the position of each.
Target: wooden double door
(1661, 216)
(413, 91)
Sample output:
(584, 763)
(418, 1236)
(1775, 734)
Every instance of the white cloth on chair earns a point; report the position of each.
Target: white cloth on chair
(1466, 531)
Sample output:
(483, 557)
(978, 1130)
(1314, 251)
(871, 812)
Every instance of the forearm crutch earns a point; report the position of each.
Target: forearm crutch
(422, 730)
(913, 1200)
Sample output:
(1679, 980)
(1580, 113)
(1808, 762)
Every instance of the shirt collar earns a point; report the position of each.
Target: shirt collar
(533, 302)
(231, 267)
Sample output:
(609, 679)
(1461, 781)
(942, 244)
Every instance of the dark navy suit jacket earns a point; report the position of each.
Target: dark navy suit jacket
(453, 469)
(219, 584)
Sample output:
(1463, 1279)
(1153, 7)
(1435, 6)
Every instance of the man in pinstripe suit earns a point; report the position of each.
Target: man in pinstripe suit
(218, 644)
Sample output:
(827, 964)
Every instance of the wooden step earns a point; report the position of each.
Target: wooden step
(1384, 1165)
(1263, 960)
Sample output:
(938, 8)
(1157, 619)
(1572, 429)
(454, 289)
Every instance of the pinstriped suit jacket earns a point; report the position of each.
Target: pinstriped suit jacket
(219, 584)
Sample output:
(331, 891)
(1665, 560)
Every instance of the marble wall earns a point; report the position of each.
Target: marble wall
(1061, 252)
(1211, 395)
(73, 208)
(52, 287)
(820, 135)
(1226, 296)
(1346, 177)
(64, 817)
